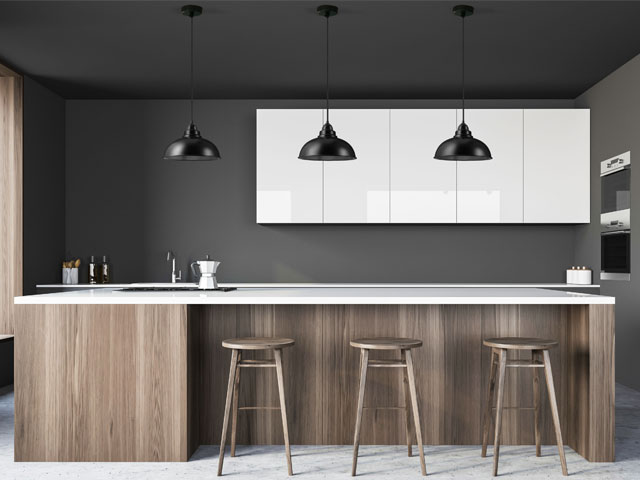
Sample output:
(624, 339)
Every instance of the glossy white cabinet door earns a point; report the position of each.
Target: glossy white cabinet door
(556, 166)
(289, 190)
(423, 190)
(490, 191)
(357, 191)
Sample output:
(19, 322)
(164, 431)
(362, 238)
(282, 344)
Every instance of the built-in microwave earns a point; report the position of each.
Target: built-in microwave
(615, 255)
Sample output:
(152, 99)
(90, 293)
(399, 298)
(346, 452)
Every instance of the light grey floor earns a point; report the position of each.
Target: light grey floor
(376, 462)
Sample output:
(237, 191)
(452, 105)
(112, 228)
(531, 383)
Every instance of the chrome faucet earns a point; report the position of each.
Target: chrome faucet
(172, 258)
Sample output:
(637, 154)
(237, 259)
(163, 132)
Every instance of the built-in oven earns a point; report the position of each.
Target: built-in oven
(615, 255)
(615, 218)
(615, 193)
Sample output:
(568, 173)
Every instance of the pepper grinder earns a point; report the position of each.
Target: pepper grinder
(104, 271)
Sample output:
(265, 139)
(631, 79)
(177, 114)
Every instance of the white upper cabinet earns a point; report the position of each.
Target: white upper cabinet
(357, 191)
(539, 172)
(423, 190)
(491, 191)
(289, 190)
(556, 166)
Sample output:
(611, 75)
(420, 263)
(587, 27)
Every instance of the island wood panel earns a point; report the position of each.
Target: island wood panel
(384, 387)
(302, 365)
(11, 88)
(602, 425)
(101, 383)
(452, 370)
(117, 382)
(577, 431)
(547, 321)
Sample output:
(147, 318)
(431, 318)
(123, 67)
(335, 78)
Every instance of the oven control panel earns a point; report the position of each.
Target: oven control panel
(615, 163)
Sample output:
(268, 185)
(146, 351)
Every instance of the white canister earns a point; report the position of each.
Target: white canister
(69, 276)
(583, 276)
(571, 275)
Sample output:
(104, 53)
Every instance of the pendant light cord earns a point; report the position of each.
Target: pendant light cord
(327, 89)
(463, 68)
(192, 88)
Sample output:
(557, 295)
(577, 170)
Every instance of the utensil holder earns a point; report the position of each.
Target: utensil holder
(69, 276)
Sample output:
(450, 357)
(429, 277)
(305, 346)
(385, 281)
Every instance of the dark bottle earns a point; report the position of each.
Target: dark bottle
(105, 272)
(93, 270)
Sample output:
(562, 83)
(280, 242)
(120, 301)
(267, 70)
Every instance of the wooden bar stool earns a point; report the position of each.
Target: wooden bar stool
(237, 345)
(539, 359)
(405, 362)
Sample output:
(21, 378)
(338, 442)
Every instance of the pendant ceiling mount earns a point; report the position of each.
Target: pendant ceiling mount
(327, 146)
(191, 146)
(463, 147)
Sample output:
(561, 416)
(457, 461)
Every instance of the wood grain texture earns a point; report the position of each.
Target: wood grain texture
(601, 445)
(302, 367)
(7, 72)
(452, 371)
(10, 196)
(101, 383)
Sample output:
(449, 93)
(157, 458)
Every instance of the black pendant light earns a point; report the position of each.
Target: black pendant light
(463, 146)
(192, 147)
(327, 146)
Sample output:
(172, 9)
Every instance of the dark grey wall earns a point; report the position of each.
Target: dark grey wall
(44, 185)
(615, 106)
(122, 200)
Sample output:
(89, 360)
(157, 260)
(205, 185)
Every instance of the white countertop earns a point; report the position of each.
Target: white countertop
(325, 295)
(330, 285)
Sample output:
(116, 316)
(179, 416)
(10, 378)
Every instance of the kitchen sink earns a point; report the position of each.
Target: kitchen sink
(176, 289)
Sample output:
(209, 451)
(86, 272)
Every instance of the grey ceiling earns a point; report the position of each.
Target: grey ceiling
(275, 49)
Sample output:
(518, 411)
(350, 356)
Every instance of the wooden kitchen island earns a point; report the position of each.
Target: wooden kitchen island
(105, 375)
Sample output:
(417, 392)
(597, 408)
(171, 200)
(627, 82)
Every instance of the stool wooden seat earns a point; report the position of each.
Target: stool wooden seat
(404, 345)
(386, 343)
(517, 343)
(237, 345)
(257, 343)
(539, 359)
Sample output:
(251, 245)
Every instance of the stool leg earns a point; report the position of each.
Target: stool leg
(407, 403)
(554, 409)
(536, 402)
(234, 417)
(488, 412)
(416, 414)
(283, 408)
(227, 407)
(364, 362)
(502, 367)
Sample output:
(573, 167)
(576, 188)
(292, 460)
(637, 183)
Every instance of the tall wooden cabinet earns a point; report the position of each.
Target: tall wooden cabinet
(10, 195)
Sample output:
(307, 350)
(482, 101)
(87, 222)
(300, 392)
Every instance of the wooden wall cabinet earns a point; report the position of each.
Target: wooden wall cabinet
(11, 88)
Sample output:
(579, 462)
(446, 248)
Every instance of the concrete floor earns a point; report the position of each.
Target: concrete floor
(322, 462)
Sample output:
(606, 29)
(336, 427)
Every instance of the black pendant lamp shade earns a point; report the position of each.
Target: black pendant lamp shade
(463, 147)
(327, 147)
(192, 147)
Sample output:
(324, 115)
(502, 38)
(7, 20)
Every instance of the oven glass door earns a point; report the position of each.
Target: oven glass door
(616, 252)
(616, 191)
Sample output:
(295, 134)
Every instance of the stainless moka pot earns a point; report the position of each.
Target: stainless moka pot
(205, 271)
